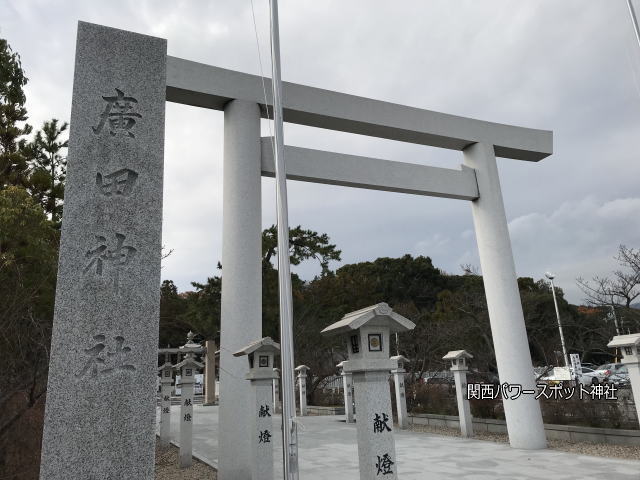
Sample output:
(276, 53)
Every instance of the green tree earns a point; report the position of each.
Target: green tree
(410, 285)
(28, 267)
(304, 244)
(14, 150)
(172, 307)
(49, 168)
(199, 310)
(203, 308)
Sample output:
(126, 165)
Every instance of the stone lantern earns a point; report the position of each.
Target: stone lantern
(367, 332)
(347, 386)
(166, 379)
(459, 368)
(630, 347)
(261, 355)
(302, 387)
(187, 369)
(398, 373)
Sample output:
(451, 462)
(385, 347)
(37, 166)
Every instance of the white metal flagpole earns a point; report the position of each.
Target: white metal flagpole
(634, 20)
(289, 427)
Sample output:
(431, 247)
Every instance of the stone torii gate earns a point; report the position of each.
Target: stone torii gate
(108, 281)
(247, 157)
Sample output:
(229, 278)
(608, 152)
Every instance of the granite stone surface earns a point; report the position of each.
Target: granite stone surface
(464, 409)
(210, 373)
(262, 431)
(374, 424)
(241, 298)
(277, 404)
(347, 386)
(186, 422)
(401, 397)
(165, 404)
(302, 392)
(100, 411)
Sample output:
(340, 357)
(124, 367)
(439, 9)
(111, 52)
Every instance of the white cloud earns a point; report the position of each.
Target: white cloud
(578, 239)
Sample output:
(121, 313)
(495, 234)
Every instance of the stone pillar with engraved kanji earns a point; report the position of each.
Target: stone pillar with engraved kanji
(347, 388)
(399, 373)
(166, 380)
(302, 388)
(459, 367)
(261, 355)
(104, 342)
(187, 369)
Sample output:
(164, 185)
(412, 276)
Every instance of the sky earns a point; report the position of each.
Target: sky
(572, 67)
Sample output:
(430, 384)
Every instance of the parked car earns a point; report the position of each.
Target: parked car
(592, 376)
(613, 372)
(616, 373)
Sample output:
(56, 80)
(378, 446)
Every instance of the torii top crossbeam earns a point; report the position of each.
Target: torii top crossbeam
(207, 86)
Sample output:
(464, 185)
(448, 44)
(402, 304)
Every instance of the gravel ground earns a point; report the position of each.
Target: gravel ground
(167, 467)
(583, 448)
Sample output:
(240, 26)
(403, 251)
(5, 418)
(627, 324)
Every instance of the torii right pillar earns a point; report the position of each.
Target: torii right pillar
(523, 415)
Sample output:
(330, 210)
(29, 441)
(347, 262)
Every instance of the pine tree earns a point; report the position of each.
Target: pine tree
(14, 150)
(49, 168)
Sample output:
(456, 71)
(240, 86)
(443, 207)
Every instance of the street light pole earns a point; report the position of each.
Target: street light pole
(550, 276)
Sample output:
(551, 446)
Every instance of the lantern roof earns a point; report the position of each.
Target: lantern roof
(165, 365)
(456, 354)
(189, 361)
(624, 340)
(264, 344)
(400, 358)
(378, 314)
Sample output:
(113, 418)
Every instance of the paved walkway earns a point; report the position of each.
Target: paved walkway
(328, 450)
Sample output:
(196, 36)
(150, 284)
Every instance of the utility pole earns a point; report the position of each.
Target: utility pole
(289, 426)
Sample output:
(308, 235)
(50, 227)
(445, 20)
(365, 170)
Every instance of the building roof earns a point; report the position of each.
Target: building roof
(374, 313)
(264, 344)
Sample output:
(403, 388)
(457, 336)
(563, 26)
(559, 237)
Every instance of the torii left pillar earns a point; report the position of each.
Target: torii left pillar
(241, 302)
